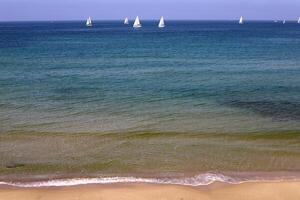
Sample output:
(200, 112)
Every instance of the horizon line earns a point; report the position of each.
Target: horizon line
(146, 19)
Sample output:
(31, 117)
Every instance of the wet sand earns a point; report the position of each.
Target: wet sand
(245, 191)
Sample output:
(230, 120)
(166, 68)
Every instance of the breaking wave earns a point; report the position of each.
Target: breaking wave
(199, 180)
(202, 179)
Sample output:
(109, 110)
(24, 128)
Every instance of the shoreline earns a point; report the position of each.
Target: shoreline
(202, 179)
(255, 191)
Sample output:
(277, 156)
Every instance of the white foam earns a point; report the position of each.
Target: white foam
(202, 179)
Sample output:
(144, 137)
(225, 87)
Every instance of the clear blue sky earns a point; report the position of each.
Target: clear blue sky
(148, 9)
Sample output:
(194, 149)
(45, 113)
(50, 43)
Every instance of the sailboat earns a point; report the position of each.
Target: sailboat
(283, 22)
(126, 21)
(89, 22)
(137, 23)
(161, 23)
(299, 20)
(241, 20)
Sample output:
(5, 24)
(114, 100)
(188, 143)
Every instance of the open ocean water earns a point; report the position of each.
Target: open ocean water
(197, 97)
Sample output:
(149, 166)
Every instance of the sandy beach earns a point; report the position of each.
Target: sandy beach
(245, 191)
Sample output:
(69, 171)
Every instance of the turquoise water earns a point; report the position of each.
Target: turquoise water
(191, 78)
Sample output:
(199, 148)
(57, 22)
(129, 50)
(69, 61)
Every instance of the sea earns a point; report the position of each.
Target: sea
(192, 103)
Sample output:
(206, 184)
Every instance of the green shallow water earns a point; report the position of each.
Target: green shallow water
(148, 152)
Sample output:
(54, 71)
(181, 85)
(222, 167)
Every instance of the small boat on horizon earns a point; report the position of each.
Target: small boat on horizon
(161, 23)
(137, 23)
(299, 20)
(283, 22)
(126, 21)
(241, 21)
(89, 22)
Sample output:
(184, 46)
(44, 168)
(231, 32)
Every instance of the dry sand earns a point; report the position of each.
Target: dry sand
(245, 191)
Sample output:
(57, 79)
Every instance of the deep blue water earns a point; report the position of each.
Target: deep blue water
(203, 76)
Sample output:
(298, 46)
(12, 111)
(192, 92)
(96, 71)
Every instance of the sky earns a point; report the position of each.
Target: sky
(16, 10)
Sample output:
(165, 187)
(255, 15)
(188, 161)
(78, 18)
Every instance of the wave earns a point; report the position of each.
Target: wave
(202, 179)
(199, 180)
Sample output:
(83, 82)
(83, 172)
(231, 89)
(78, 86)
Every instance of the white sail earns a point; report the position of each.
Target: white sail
(89, 22)
(241, 20)
(126, 21)
(299, 20)
(283, 22)
(161, 23)
(137, 23)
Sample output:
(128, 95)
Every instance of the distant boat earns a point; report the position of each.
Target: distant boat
(126, 21)
(137, 23)
(299, 20)
(89, 22)
(283, 22)
(275, 21)
(241, 20)
(161, 23)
